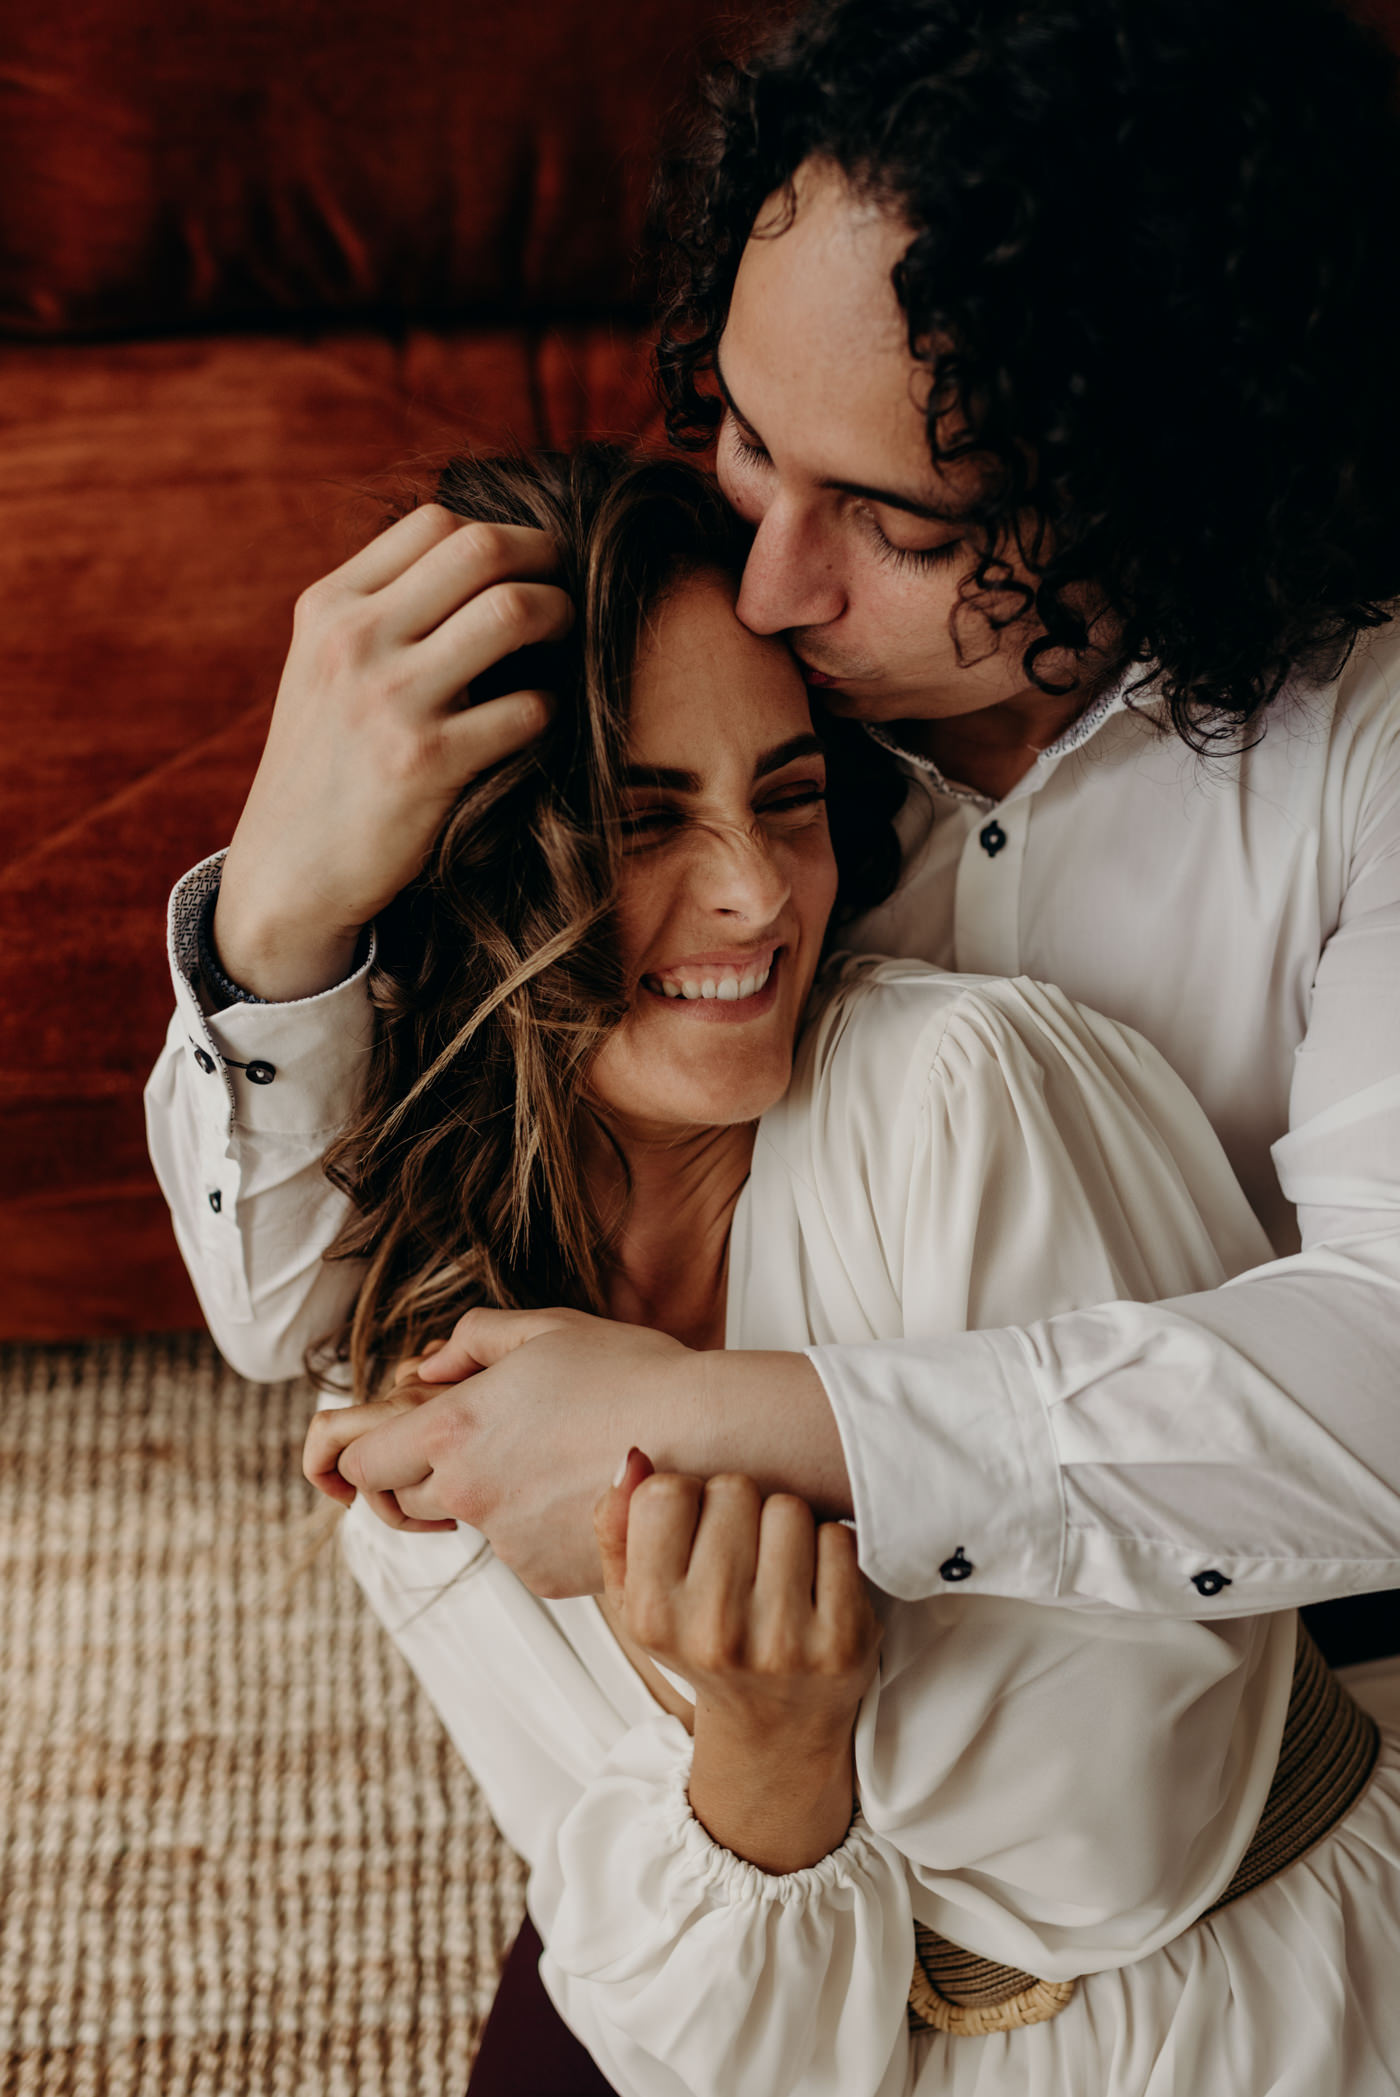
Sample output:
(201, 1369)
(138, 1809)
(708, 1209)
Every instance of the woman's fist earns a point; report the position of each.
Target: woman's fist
(763, 1610)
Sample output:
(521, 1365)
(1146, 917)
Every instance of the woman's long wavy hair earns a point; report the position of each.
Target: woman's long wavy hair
(1151, 270)
(496, 977)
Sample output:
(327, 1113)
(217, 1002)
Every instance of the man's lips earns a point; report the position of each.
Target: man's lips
(825, 680)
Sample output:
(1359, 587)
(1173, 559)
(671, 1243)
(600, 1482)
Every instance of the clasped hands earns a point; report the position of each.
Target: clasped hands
(759, 1606)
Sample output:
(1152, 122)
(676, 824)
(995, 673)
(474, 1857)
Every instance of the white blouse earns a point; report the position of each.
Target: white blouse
(1059, 1789)
(1243, 913)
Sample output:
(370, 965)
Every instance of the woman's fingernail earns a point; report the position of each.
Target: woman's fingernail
(621, 1472)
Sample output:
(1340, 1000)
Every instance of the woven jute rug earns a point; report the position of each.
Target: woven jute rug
(237, 1852)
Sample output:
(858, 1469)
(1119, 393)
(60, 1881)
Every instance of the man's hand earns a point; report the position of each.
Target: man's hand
(332, 1432)
(537, 1410)
(374, 735)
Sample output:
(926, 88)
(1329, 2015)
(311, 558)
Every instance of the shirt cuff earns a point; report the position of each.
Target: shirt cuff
(955, 1480)
(290, 1068)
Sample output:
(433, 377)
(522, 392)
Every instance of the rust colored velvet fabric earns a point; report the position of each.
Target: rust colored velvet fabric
(164, 502)
(185, 163)
(261, 261)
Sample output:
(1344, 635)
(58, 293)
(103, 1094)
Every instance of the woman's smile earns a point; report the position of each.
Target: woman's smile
(725, 987)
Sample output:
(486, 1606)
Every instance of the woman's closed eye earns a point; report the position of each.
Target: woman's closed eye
(788, 807)
(647, 825)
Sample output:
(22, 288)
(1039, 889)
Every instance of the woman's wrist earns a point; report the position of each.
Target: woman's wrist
(782, 1800)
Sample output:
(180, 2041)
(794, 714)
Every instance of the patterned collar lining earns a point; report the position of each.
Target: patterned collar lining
(1072, 738)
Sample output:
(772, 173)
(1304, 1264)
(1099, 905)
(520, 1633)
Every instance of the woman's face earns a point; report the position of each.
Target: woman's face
(728, 876)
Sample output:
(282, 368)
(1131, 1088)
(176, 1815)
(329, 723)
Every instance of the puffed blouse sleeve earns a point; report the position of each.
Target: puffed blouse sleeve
(687, 1971)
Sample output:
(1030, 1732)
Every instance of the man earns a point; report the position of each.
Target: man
(1046, 349)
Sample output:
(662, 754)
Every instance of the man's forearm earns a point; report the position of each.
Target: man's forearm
(766, 1414)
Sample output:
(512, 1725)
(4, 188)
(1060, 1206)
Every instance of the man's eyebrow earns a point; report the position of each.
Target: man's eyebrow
(670, 777)
(886, 497)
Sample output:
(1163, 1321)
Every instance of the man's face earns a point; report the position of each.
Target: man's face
(859, 555)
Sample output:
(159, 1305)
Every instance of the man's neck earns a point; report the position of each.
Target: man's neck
(670, 1262)
(992, 750)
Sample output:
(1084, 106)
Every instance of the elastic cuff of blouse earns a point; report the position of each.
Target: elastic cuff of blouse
(742, 1883)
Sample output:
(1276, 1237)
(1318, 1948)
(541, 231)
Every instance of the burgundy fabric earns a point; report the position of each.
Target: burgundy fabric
(164, 503)
(167, 165)
(172, 163)
(526, 2049)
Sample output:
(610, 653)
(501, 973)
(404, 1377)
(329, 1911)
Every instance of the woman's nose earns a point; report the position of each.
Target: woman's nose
(791, 576)
(738, 875)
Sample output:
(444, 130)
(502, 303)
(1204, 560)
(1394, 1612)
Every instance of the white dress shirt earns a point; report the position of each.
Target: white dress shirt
(1243, 913)
(1061, 1789)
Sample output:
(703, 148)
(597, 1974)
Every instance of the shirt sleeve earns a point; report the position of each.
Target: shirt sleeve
(683, 1968)
(1223, 1450)
(240, 1109)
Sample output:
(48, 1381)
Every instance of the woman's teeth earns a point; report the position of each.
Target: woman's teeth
(724, 983)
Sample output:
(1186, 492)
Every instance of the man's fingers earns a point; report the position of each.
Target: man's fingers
(460, 568)
(396, 549)
(385, 1506)
(482, 631)
(393, 1453)
(329, 1435)
(481, 1338)
(482, 735)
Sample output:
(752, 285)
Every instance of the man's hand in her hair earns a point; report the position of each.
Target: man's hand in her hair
(375, 734)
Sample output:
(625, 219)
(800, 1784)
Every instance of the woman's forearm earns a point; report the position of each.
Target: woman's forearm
(782, 1802)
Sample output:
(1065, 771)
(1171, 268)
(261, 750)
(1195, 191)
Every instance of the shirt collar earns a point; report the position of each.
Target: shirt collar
(1112, 701)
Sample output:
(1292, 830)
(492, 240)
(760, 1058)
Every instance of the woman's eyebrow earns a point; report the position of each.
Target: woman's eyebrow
(783, 754)
(673, 779)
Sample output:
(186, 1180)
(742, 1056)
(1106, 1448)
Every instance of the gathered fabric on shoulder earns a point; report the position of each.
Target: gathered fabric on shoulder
(1063, 1789)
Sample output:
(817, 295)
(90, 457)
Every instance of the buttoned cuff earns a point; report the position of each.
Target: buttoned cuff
(291, 1068)
(955, 1483)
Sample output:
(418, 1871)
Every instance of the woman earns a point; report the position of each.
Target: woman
(610, 1072)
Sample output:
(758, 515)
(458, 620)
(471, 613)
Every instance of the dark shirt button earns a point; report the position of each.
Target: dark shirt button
(1209, 1583)
(958, 1567)
(260, 1073)
(216, 1201)
(991, 837)
(204, 1059)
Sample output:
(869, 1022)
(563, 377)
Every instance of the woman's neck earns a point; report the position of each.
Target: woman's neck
(670, 1259)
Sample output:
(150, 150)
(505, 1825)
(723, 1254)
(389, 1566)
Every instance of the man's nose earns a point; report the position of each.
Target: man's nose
(790, 577)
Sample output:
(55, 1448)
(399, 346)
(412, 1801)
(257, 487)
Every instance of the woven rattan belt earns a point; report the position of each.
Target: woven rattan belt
(1328, 1751)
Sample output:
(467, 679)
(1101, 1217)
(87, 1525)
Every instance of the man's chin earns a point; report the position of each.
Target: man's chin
(858, 703)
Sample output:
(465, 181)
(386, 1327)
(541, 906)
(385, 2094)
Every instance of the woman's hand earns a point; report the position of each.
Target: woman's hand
(374, 736)
(765, 1613)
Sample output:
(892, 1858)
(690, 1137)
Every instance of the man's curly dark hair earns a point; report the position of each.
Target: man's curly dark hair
(1151, 267)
